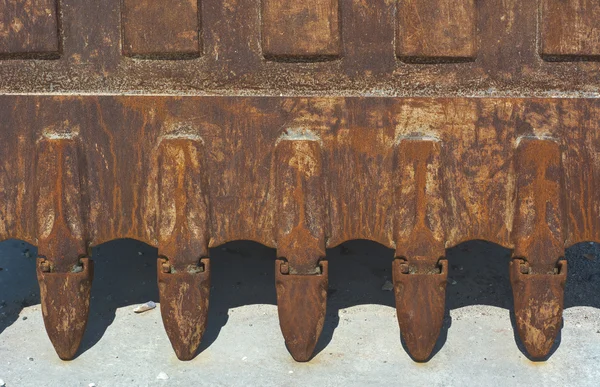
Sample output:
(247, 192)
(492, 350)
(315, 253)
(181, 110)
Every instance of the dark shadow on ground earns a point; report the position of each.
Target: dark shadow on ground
(243, 274)
(583, 275)
(18, 282)
(124, 275)
(357, 272)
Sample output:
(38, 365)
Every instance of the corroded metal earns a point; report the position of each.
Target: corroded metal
(301, 275)
(418, 125)
(188, 160)
(183, 213)
(537, 276)
(64, 274)
(538, 300)
(65, 300)
(184, 305)
(420, 305)
(419, 272)
(301, 304)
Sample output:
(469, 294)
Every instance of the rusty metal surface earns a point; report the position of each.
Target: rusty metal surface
(415, 124)
(420, 305)
(64, 274)
(65, 300)
(538, 301)
(419, 271)
(418, 175)
(29, 29)
(436, 31)
(300, 31)
(155, 29)
(301, 275)
(183, 234)
(478, 140)
(184, 174)
(537, 275)
(505, 58)
(184, 305)
(570, 30)
(301, 304)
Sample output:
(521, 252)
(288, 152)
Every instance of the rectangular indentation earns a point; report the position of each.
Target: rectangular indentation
(159, 29)
(29, 29)
(434, 31)
(307, 30)
(570, 30)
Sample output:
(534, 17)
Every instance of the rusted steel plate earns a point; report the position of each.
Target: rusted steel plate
(157, 29)
(181, 195)
(300, 125)
(538, 226)
(419, 202)
(300, 220)
(61, 227)
(437, 30)
(300, 30)
(479, 138)
(570, 30)
(500, 38)
(64, 274)
(29, 29)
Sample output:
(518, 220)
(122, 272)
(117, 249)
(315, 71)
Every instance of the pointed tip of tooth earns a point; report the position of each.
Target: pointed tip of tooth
(420, 344)
(420, 306)
(301, 304)
(66, 346)
(301, 351)
(538, 336)
(538, 307)
(187, 351)
(184, 308)
(539, 350)
(65, 301)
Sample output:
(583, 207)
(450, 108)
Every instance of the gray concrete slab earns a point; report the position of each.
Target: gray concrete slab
(360, 345)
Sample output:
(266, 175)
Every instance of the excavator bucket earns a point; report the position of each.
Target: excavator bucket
(417, 124)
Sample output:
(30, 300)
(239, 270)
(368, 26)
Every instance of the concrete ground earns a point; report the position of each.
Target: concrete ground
(360, 344)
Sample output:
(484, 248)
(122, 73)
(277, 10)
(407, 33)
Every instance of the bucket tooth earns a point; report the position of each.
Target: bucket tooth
(300, 271)
(301, 305)
(538, 303)
(537, 273)
(184, 267)
(184, 306)
(420, 306)
(63, 272)
(65, 300)
(419, 270)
